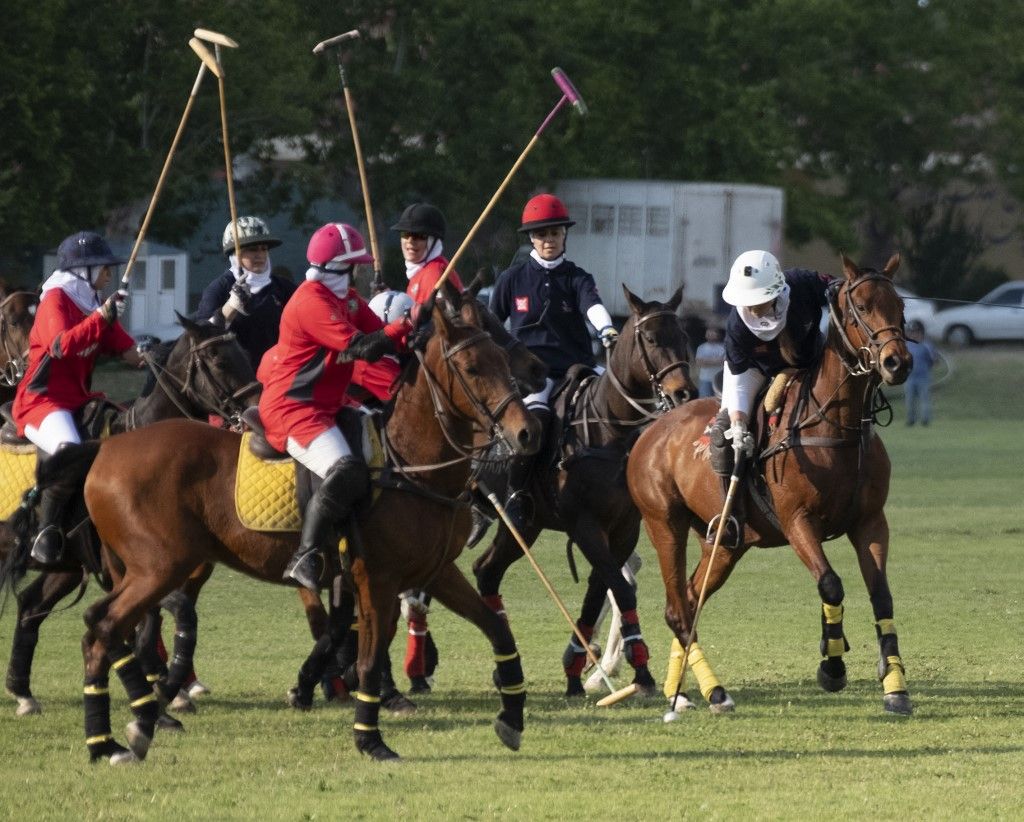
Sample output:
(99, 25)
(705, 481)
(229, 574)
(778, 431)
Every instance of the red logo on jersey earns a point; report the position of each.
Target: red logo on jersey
(523, 304)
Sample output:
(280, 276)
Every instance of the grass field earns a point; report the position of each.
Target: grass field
(789, 751)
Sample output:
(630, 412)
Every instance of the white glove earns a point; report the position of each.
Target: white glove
(238, 299)
(608, 336)
(742, 441)
(114, 306)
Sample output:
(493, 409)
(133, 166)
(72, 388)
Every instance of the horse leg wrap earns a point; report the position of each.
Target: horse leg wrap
(706, 679)
(890, 666)
(19, 669)
(181, 662)
(833, 641)
(635, 649)
(141, 698)
(675, 669)
(97, 718)
(509, 674)
(574, 658)
(367, 712)
(496, 604)
(416, 646)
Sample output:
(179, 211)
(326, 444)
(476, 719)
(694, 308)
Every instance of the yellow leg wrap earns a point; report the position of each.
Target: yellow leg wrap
(833, 613)
(95, 690)
(886, 626)
(675, 669)
(894, 679)
(835, 647)
(514, 689)
(95, 740)
(359, 726)
(366, 698)
(152, 678)
(122, 662)
(506, 657)
(706, 679)
(143, 700)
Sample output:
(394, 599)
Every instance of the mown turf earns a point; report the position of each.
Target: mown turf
(790, 750)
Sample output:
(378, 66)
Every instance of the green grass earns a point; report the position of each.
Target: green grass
(789, 751)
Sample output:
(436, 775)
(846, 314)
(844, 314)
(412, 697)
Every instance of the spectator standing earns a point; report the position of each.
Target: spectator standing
(710, 356)
(918, 389)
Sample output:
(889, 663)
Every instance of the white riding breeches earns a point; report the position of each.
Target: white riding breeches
(540, 398)
(56, 429)
(325, 450)
(739, 390)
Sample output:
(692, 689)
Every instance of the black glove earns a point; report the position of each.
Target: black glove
(114, 306)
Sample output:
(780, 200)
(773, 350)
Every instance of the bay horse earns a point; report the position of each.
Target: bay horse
(580, 488)
(17, 314)
(205, 371)
(162, 503)
(823, 472)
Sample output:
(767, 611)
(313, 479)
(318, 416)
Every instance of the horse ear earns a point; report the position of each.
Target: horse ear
(892, 265)
(442, 325)
(850, 270)
(484, 276)
(192, 328)
(675, 300)
(636, 305)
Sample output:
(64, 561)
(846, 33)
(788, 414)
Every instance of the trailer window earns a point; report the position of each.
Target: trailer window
(630, 220)
(602, 219)
(168, 273)
(578, 212)
(657, 221)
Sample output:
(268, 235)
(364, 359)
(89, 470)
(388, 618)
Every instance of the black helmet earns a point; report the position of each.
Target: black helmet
(85, 249)
(422, 218)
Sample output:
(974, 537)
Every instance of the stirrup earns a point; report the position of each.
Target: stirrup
(306, 568)
(48, 547)
(737, 531)
(520, 509)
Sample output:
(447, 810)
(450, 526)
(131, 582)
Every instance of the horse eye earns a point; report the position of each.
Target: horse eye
(473, 371)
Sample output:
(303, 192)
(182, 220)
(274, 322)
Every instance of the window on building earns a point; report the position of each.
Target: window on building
(168, 274)
(602, 219)
(578, 212)
(657, 221)
(630, 220)
(139, 274)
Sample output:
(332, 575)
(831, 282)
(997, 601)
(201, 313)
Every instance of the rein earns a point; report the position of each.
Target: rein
(14, 369)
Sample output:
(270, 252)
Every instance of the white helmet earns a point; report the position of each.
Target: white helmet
(390, 305)
(755, 278)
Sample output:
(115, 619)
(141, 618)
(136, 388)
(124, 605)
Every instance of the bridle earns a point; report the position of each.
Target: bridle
(868, 357)
(182, 392)
(14, 369)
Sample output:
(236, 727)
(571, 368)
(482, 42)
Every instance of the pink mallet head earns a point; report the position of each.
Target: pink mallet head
(569, 90)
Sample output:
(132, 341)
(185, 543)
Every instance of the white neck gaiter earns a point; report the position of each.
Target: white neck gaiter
(256, 280)
(337, 281)
(75, 283)
(548, 264)
(412, 269)
(771, 324)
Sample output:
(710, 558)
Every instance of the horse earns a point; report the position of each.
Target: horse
(17, 314)
(205, 371)
(580, 488)
(820, 471)
(162, 503)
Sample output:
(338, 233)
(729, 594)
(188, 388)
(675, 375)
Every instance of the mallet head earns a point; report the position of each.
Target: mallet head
(215, 37)
(206, 56)
(333, 41)
(569, 90)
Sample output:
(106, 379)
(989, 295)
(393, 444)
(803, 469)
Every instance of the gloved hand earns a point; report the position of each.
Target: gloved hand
(608, 336)
(144, 344)
(742, 441)
(239, 299)
(114, 306)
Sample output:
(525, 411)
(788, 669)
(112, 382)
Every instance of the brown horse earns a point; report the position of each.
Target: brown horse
(823, 472)
(162, 502)
(581, 488)
(205, 371)
(17, 314)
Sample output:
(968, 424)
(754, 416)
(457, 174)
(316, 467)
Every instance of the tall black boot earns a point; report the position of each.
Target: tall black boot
(332, 503)
(519, 505)
(48, 547)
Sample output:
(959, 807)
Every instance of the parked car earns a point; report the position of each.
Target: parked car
(916, 308)
(999, 315)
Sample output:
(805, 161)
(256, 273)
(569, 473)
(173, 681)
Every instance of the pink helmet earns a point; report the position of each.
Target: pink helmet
(337, 243)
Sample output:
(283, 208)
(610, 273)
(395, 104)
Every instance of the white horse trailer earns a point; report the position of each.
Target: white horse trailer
(655, 235)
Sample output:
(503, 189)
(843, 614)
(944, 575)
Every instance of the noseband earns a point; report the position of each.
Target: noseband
(659, 399)
(868, 356)
(14, 369)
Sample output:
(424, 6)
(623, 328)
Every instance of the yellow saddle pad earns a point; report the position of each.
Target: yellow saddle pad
(17, 475)
(265, 489)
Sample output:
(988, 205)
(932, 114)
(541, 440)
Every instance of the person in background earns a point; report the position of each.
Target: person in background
(248, 296)
(72, 328)
(918, 387)
(710, 355)
(422, 228)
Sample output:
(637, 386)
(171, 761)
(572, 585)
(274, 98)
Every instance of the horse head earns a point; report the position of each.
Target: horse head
(214, 371)
(868, 318)
(480, 387)
(652, 355)
(17, 314)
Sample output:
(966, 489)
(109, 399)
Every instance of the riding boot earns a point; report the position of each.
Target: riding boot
(331, 504)
(481, 522)
(48, 547)
(519, 505)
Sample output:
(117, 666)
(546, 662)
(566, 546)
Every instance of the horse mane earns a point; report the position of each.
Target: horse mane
(161, 353)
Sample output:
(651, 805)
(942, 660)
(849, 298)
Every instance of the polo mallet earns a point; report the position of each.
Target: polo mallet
(492, 497)
(219, 40)
(671, 715)
(569, 95)
(323, 45)
(170, 156)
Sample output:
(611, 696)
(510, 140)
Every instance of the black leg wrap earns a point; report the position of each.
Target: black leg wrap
(181, 662)
(509, 675)
(98, 737)
(19, 669)
(830, 588)
(140, 693)
(367, 733)
(888, 643)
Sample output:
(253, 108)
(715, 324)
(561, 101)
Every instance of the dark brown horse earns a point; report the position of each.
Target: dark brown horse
(205, 371)
(162, 502)
(580, 488)
(825, 473)
(17, 314)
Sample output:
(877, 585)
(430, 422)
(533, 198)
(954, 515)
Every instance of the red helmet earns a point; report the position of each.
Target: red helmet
(337, 243)
(545, 210)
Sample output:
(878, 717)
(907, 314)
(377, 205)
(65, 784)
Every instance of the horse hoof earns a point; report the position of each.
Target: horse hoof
(372, 745)
(721, 702)
(299, 699)
(124, 757)
(830, 683)
(509, 736)
(574, 687)
(419, 685)
(681, 703)
(398, 703)
(182, 704)
(138, 740)
(166, 722)
(898, 704)
(27, 706)
(197, 689)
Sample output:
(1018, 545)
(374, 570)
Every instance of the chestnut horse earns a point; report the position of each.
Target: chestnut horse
(205, 371)
(580, 488)
(825, 473)
(162, 502)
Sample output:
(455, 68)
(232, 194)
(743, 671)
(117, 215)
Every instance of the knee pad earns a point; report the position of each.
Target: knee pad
(830, 588)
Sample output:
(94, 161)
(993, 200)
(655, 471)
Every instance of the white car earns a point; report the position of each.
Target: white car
(916, 308)
(999, 315)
